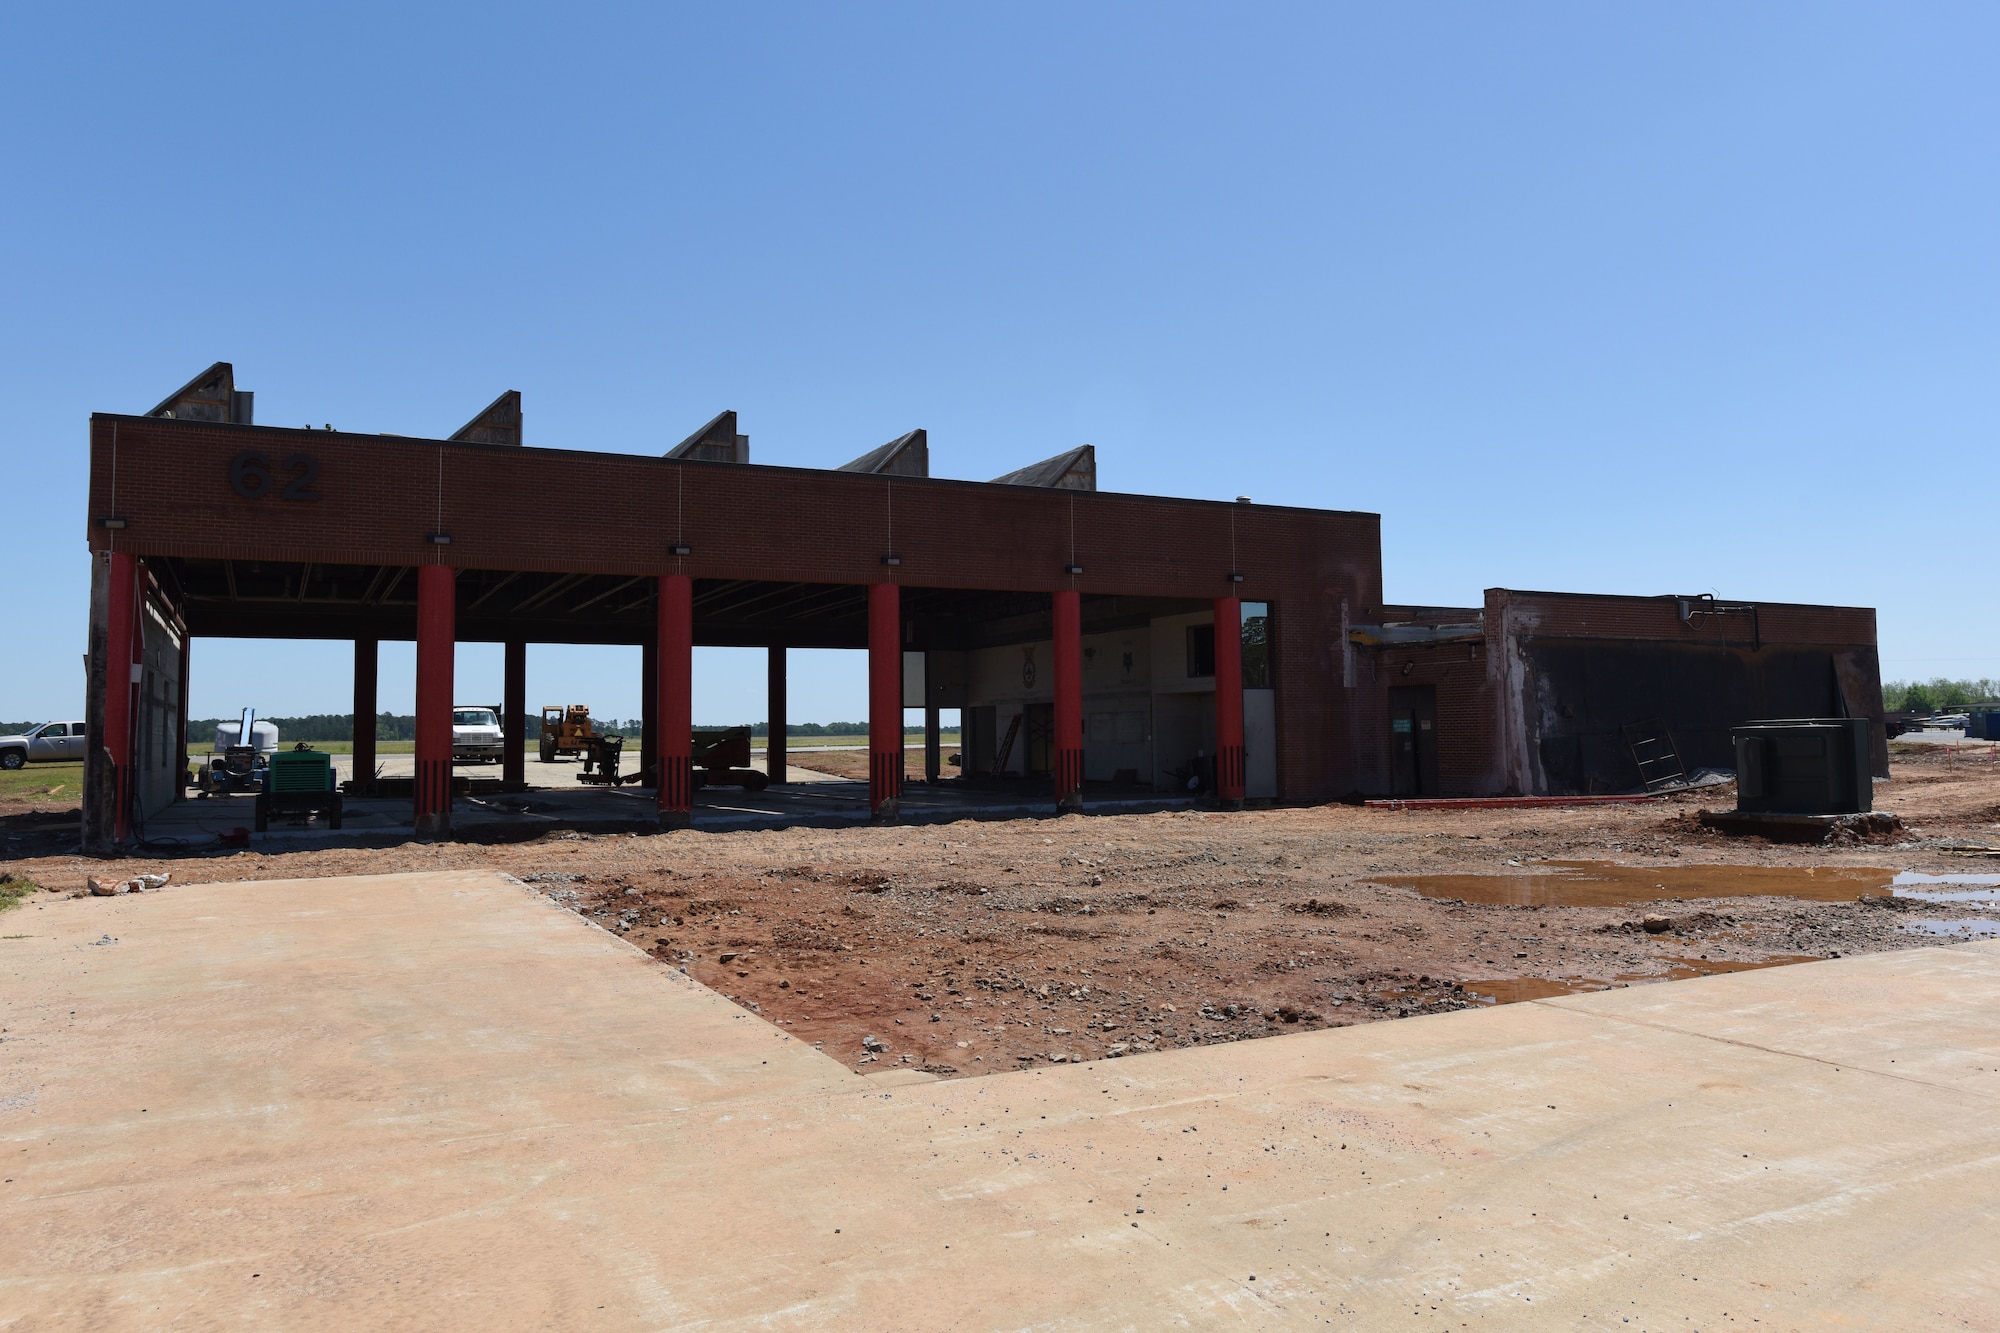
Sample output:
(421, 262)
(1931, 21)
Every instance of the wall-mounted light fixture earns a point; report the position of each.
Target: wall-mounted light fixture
(1236, 578)
(438, 538)
(892, 559)
(113, 523)
(1408, 667)
(1072, 569)
(680, 548)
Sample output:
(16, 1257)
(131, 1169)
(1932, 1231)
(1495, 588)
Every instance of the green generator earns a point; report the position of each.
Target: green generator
(300, 781)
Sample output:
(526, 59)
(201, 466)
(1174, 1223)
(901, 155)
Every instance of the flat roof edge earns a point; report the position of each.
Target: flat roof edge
(525, 450)
(1723, 603)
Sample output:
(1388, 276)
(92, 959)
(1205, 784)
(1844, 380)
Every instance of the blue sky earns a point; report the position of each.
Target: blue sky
(1582, 297)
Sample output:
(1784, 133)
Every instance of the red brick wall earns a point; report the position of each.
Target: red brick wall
(1583, 616)
(1466, 710)
(512, 508)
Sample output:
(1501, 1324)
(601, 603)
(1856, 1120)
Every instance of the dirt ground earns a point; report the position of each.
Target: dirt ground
(967, 947)
(851, 763)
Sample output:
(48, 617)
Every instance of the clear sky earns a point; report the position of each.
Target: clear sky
(1604, 298)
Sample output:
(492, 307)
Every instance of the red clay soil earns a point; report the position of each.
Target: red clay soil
(967, 947)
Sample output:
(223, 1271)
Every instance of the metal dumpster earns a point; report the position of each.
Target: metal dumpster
(1804, 766)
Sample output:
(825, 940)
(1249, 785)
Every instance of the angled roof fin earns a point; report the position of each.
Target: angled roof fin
(1075, 470)
(499, 423)
(717, 442)
(209, 396)
(905, 456)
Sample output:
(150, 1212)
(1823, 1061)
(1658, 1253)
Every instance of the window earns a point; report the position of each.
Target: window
(474, 717)
(1256, 645)
(1201, 650)
(54, 729)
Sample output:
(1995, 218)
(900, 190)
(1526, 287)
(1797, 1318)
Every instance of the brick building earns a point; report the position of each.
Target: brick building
(1081, 633)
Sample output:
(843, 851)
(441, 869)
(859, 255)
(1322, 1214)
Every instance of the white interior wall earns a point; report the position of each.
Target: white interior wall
(1169, 655)
(1008, 678)
(158, 721)
(1260, 744)
(1117, 707)
(1117, 734)
(1141, 709)
(1183, 727)
(1183, 705)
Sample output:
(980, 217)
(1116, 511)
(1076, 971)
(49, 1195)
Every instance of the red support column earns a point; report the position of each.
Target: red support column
(673, 704)
(933, 742)
(121, 651)
(437, 619)
(367, 663)
(181, 724)
(1229, 702)
(1069, 700)
(514, 709)
(775, 754)
(649, 698)
(885, 700)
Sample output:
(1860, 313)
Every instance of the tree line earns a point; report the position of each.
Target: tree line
(1937, 696)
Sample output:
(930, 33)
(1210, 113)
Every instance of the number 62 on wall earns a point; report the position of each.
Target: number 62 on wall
(250, 476)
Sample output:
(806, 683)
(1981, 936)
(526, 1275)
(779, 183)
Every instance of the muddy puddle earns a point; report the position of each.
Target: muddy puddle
(1977, 890)
(1974, 928)
(1512, 990)
(1602, 884)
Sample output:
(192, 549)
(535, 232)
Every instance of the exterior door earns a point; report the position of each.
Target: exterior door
(1413, 740)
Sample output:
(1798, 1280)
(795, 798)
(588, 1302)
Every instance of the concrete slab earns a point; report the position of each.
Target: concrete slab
(441, 1101)
(560, 773)
(815, 798)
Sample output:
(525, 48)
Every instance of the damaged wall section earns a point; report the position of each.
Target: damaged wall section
(1544, 694)
(1576, 677)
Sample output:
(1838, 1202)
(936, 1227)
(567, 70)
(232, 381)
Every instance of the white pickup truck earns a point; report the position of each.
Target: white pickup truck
(475, 734)
(48, 743)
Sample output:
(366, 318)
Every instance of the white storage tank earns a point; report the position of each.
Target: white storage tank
(264, 735)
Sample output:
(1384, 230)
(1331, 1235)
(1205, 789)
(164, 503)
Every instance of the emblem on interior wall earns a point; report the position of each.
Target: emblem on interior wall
(1027, 668)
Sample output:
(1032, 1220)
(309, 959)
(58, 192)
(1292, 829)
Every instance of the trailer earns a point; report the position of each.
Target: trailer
(721, 759)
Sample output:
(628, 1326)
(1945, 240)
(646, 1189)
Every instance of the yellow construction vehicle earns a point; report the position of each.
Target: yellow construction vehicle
(567, 731)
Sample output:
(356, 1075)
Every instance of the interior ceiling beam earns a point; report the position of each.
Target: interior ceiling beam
(835, 595)
(771, 592)
(402, 571)
(634, 605)
(381, 572)
(744, 605)
(722, 589)
(482, 598)
(614, 588)
(261, 600)
(548, 590)
(168, 572)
